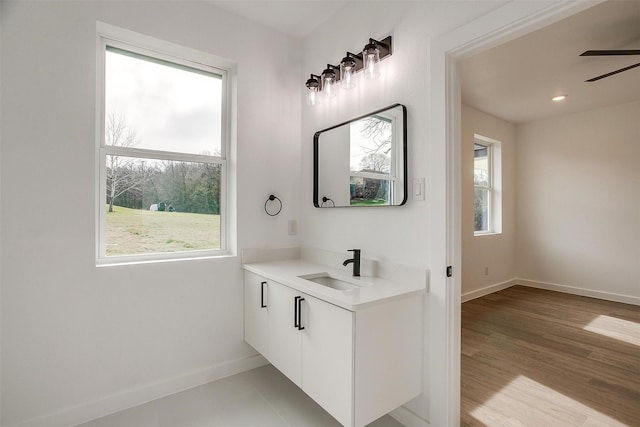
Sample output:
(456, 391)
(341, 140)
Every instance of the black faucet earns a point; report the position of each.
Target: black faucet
(355, 260)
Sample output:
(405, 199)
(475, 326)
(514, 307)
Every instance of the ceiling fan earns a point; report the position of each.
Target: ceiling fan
(611, 53)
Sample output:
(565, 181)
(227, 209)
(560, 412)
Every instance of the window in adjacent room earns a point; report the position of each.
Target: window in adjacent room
(162, 157)
(487, 210)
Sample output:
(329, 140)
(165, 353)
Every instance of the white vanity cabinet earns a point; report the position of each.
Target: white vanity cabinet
(357, 365)
(308, 340)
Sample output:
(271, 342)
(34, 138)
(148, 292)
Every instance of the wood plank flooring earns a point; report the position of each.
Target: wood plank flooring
(532, 357)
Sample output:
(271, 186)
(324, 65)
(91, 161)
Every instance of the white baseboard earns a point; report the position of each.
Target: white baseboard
(129, 398)
(487, 290)
(627, 299)
(408, 418)
(608, 296)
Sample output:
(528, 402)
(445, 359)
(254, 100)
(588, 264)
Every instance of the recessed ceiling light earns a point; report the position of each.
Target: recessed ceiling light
(559, 98)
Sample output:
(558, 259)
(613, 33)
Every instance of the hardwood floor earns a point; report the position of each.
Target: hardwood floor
(532, 357)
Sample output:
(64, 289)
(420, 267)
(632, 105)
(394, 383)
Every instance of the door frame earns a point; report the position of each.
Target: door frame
(503, 24)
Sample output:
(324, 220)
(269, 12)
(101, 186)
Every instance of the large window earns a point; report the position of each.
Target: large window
(162, 157)
(486, 181)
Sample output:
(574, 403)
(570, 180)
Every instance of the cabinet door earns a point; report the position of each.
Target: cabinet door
(256, 316)
(388, 357)
(285, 351)
(327, 357)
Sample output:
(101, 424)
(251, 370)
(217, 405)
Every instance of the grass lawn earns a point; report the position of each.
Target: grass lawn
(136, 231)
(368, 202)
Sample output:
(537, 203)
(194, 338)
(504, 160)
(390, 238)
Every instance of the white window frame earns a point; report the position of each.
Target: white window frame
(393, 167)
(108, 35)
(494, 202)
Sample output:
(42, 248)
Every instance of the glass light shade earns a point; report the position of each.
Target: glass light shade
(347, 72)
(329, 83)
(313, 87)
(329, 88)
(312, 96)
(371, 60)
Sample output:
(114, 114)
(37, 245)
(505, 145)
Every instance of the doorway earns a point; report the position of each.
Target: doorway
(506, 23)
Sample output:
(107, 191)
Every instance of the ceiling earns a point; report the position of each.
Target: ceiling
(516, 80)
(297, 18)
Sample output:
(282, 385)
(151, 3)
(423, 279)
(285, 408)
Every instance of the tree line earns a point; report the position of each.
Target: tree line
(186, 186)
(139, 183)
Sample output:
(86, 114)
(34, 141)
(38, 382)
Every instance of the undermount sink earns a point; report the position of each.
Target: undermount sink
(325, 279)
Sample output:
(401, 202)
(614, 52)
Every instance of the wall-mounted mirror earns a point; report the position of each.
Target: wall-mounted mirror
(362, 162)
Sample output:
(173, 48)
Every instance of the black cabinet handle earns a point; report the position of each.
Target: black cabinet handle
(300, 327)
(296, 322)
(262, 304)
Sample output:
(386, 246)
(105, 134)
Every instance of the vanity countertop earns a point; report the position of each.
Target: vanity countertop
(370, 290)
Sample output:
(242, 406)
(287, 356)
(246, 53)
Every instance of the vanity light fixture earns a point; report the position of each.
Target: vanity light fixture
(559, 98)
(368, 60)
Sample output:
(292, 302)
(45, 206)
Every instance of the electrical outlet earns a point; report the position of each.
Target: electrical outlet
(486, 271)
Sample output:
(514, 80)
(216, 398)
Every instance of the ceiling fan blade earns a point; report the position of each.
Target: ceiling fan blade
(610, 52)
(613, 72)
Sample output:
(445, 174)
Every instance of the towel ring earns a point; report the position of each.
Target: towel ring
(325, 199)
(273, 205)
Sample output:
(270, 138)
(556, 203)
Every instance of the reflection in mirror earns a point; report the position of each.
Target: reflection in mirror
(362, 162)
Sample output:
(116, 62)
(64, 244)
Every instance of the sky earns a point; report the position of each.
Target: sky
(169, 108)
(360, 144)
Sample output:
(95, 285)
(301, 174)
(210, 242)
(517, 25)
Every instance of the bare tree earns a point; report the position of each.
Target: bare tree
(378, 131)
(375, 162)
(121, 171)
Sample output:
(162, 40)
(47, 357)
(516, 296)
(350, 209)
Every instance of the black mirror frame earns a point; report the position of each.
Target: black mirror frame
(316, 166)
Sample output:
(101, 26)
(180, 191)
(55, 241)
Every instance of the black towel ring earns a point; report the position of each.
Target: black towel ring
(273, 205)
(325, 199)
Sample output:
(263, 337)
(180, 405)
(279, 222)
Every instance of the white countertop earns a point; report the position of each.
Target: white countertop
(370, 290)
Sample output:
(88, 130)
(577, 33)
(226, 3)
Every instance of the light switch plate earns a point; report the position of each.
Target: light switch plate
(418, 189)
(292, 227)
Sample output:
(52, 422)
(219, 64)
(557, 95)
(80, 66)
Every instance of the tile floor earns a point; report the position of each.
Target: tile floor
(262, 397)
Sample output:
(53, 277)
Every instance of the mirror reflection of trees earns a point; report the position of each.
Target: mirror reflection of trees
(362, 162)
(371, 146)
(376, 162)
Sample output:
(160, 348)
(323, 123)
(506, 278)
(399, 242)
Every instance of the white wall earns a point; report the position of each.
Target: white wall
(400, 233)
(496, 252)
(72, 333)
(396, 234)
(79, 340)
(382, 233)
(578, 201)
(1, 218)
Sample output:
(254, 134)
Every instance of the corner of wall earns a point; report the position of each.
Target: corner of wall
(1, 168)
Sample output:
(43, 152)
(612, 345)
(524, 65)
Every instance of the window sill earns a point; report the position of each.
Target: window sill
(487, 233)
(160, 258)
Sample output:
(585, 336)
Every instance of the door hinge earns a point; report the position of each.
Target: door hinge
(449, 271)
